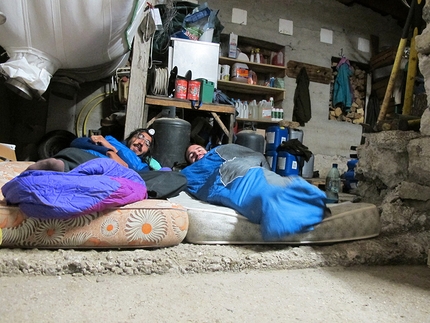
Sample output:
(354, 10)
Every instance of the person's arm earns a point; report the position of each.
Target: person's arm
(104, 148)
(87, 144)
(100, 140)
(115, 157)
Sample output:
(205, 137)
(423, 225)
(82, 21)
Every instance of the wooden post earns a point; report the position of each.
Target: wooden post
(396, 65)
(135, 112)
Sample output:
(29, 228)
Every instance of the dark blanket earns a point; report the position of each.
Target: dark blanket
(238, 177)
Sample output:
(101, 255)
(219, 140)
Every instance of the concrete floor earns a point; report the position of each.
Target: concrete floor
(339, 294)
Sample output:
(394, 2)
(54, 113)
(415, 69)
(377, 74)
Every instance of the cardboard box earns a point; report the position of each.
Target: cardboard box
(232, 48)
(7, 152)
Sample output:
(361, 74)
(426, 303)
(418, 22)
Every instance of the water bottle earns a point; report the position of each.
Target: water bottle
(332, 185)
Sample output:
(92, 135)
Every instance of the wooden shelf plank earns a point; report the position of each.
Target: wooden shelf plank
(279, 71)
(248, 88)
(268, 120)
(186, 104)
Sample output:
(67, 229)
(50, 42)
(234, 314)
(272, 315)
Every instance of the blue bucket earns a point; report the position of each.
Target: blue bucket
(275, 135)
(287, 164)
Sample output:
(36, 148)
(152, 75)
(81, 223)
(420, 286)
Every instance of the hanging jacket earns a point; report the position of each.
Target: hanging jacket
(342, 90)
(302, 101)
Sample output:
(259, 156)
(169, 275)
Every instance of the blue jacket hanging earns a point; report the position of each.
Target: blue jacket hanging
(342, 90)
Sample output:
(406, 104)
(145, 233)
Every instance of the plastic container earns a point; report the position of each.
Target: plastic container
(171, 139)
(275, 135)
(253, 110)
(272, 157)
(295, 134)
(266, 110)
(207, 89)
(240, 73)
(308, 168)
(251, 139)
(287, 164)
(333, 185)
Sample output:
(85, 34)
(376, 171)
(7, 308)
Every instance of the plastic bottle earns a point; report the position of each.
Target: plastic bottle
(332, 185)
(245, 110)
(257, 55)
(253, 108)
(273, 111)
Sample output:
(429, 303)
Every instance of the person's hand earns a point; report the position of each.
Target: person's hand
(100, 140)
(115, 157)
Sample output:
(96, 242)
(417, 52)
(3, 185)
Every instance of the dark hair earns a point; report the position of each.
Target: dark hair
(134, 133)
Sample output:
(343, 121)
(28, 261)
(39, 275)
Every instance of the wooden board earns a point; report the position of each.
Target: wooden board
(384, 58)
(316, 73)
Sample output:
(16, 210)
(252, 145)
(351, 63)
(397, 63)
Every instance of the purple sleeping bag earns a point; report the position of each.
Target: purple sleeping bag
(94, 186)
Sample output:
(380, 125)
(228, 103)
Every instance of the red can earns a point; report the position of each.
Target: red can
(181, 89)
(193, 90)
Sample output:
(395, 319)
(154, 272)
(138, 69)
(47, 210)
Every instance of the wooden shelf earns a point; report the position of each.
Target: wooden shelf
(280, 71)
(231, 86)
(213, 108)
(185, 104)
(268, 120)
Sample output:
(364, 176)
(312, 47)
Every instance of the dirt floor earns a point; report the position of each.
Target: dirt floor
(338, 294)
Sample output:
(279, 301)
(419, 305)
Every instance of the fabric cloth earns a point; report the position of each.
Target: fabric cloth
(240, 178)
(94, 186)
(296, 148)
(302, 101)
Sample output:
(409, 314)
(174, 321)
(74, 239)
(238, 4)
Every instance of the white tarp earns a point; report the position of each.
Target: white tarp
(42, 36)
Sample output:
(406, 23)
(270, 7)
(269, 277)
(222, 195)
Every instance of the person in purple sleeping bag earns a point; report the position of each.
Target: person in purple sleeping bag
(134, 153)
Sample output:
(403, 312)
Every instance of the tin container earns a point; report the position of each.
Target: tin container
(181, 87)
(193, 90)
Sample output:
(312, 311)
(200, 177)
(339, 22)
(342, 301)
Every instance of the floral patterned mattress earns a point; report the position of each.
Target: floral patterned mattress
(144, 224)
(210, 224)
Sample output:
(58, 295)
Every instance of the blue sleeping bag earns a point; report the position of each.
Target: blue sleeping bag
(240, 178)
(94, 186)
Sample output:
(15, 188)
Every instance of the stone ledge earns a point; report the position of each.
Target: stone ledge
(410, 248)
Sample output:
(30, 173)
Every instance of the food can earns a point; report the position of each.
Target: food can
(181, 89)
(193, 90)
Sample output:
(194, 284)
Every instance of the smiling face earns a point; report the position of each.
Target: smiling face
(140, 143)
(195, 153)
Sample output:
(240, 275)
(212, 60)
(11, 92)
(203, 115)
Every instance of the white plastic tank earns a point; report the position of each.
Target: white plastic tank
(43, 36)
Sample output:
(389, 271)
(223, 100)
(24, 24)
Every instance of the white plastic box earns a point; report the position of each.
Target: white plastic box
(201, 58)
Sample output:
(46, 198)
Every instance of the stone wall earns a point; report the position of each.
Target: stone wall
(394, 168)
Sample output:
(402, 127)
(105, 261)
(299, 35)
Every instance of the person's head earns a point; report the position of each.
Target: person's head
(140, 141)
(194, 153)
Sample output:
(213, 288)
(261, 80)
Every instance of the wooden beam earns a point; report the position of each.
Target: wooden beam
(136, 117)
(315, 73)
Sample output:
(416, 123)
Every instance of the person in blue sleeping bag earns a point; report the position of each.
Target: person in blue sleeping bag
(240, 178)
(134, 152)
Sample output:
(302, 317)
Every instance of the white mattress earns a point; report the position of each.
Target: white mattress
(211, 224)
